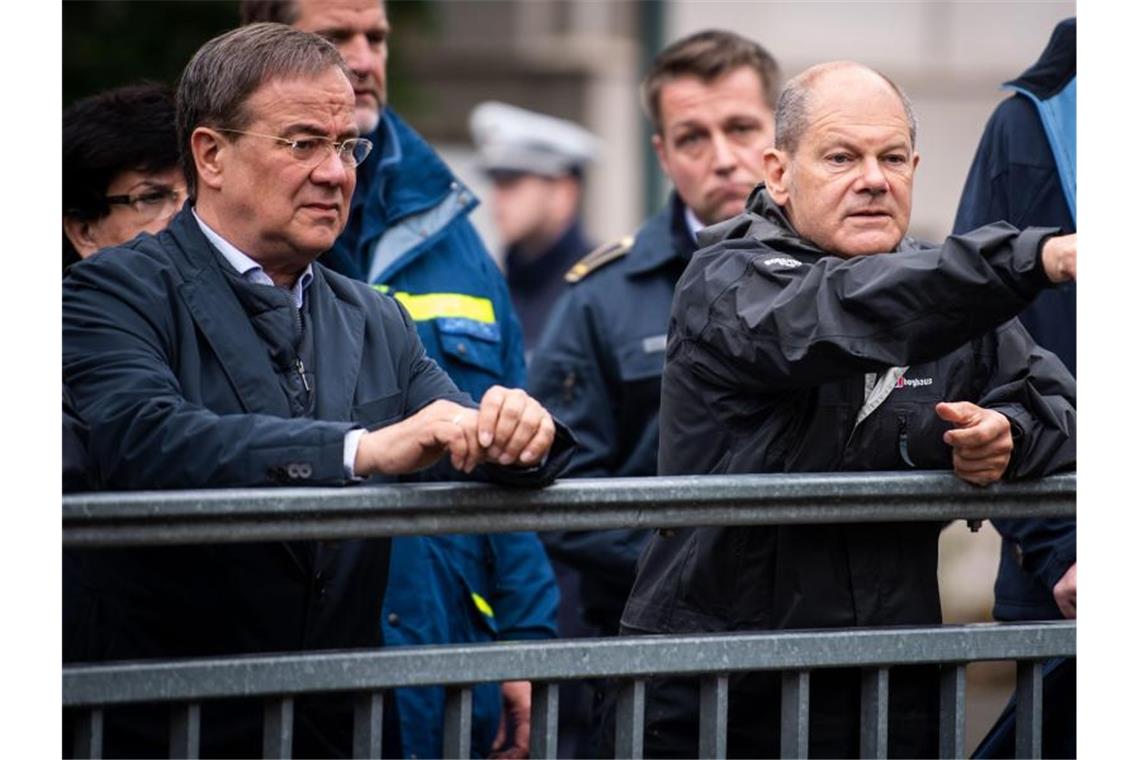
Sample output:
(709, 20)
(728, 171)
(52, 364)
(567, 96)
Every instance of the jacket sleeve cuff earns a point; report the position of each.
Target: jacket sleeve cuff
(540, 476)
(1061, 558)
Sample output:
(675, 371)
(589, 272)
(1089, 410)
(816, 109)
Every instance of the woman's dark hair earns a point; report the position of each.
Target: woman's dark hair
(124, 129)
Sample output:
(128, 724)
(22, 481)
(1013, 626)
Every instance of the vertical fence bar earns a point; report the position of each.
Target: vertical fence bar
(873, 723)
(457, 723)
(1027, 719)
(185, 730)
(368, 724)
(629, 731)
(714, 717)
(89, 734)
(544, 721)
(794, 705)
(277, 730)
(952, 711)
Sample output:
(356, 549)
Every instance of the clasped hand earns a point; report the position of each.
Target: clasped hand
(509, 428)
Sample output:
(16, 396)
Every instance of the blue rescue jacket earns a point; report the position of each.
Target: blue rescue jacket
(409, 236)
(1024, 173)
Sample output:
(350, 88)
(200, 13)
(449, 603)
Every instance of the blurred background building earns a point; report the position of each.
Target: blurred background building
(582, 60)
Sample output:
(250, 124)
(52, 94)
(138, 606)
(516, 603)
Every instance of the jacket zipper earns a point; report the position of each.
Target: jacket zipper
(297, 363)
(904, 442)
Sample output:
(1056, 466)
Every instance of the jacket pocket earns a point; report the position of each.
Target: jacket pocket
(471, 343)
(919, 440)
(379, 412)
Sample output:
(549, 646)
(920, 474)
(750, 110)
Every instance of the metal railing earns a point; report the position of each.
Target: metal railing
(161, 518)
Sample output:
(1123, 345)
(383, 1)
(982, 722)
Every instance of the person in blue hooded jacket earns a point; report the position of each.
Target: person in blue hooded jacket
(409, 235)
(1024, 172)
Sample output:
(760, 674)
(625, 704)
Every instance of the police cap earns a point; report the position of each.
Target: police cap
(514, 140)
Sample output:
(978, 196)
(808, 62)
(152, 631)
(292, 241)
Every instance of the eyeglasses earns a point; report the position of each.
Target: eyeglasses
(312, 150)
(150, 204)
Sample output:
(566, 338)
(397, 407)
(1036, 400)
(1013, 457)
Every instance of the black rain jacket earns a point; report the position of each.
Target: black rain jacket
(770, 344)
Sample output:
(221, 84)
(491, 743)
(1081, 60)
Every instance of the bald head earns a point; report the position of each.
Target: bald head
(824, 83)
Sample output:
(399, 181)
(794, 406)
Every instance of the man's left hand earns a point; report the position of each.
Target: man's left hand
(513, 427)
(982, 441)
(516, 717)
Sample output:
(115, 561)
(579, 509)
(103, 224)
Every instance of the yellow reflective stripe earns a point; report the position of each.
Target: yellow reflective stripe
(425, 306)
(482, 605)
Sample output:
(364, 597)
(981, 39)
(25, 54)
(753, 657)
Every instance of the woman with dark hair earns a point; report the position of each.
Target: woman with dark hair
(120, 168)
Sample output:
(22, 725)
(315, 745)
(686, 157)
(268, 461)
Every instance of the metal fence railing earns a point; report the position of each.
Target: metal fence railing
(161, 518)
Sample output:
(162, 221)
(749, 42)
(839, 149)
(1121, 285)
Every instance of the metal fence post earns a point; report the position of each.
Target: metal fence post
(457, 723)
(544, 720)
(185, 730)
(794, 706)
(629, 731)
(89, 734)
(873, 725)
(1027, 721)
(368, 724)
(952, 711)
(277, 730)
(714, 717)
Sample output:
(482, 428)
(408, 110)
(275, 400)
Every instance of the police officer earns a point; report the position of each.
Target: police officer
(710, 97)
(535, 163)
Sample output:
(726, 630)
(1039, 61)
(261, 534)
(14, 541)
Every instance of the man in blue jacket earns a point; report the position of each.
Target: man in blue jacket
(220, 353)
(1024, 173)
(408, 234)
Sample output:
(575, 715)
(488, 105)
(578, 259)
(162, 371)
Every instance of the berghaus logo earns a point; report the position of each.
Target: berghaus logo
(905, 382)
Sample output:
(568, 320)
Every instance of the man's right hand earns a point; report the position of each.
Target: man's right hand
(1059, 258)
(421, 440)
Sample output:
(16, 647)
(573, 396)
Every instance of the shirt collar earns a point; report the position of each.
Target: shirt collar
(693, 223)
(249, 269)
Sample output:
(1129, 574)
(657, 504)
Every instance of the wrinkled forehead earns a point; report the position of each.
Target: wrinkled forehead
(856, 102)
(324, 98)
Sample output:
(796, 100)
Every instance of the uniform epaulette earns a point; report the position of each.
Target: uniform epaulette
(599, 257)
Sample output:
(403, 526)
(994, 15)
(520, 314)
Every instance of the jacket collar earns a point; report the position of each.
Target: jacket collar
(662, 240)
(339, 327)
(402, 176)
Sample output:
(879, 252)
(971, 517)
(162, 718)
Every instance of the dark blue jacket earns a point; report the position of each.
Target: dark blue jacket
(410, 211)
(1015, 178)
(598, 367)
(537, 282)
(184, 375)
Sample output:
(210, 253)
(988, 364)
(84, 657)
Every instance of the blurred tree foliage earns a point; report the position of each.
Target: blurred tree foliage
(107, 43)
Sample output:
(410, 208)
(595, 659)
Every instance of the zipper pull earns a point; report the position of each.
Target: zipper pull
(301, 372)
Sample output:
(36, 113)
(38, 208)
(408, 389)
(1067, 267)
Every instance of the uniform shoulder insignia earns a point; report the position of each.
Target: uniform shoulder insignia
(599, 257)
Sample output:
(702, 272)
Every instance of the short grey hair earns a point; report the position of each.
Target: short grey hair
(792, 107)
(227, 70)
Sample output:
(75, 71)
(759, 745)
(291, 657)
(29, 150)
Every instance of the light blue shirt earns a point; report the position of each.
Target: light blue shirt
(251, 271)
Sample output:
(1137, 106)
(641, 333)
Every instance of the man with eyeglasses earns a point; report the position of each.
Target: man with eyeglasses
(219, 353)
(120, 168)
(408, 234)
